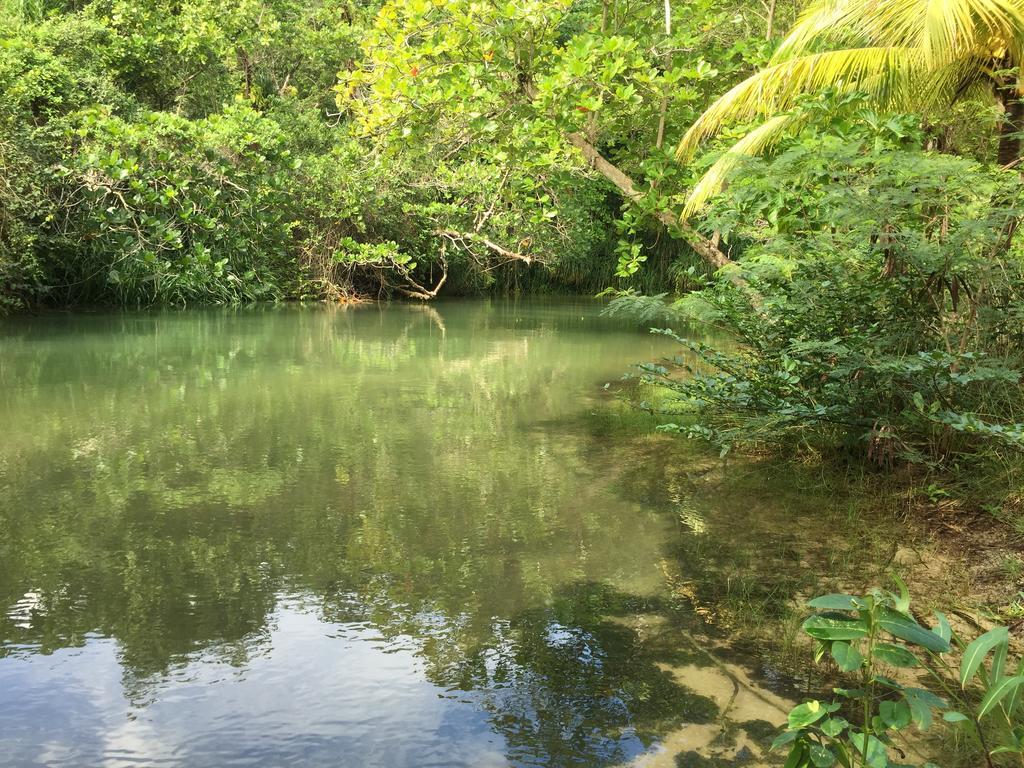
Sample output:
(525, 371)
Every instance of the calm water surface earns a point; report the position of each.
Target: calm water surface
(399, 536)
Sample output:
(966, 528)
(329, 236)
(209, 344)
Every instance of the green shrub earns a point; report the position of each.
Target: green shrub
(104, 202)
(879, 308)
(38, 91)
(172, 210)
(869, 637)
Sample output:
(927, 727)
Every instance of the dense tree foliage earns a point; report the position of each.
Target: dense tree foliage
(889, 318)
(157, 152)
(152, 152)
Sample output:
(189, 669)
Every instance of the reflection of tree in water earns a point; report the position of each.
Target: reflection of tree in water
(390, 471)
(567, 684)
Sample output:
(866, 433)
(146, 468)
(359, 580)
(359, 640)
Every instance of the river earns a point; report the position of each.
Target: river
(368, 536)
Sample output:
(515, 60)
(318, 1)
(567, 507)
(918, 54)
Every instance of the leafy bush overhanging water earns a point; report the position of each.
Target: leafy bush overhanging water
(880, 308)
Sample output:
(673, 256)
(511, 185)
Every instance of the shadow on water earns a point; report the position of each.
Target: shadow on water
(365, 537)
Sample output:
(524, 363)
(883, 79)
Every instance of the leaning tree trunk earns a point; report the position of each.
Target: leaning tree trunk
(1013, 124)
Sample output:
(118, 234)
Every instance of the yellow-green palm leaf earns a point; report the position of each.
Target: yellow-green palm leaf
(943, 30)
(886, 73)
(754, 143)
(904, 54)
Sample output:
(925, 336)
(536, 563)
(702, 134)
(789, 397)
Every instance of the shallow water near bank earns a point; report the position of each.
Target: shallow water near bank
(381, 535)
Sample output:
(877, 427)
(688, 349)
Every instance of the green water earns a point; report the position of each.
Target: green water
(394, 536)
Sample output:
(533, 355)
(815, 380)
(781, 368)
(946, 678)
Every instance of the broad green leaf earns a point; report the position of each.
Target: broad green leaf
(999, 661)
(895, 714)
(834, 602)
(796, 757)
(842, 750)
(895, 655)
(784, 738)
(907, 629)
(921, 703)
(877, 756)
(1010, 706)
(847, 656)
(977, 651)
(834, 726)
(927, 697)
(806, 714)
(943, 629)
(954, 717)
(821, 757)
(833, 627)
(920, 712)
(998, 692)
(888, 682)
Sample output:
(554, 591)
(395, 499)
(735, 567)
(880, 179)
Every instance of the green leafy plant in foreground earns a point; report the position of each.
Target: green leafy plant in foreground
(874, 633)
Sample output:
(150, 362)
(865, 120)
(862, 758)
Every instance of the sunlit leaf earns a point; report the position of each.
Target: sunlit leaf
(998, 692)
(907, 629)
(835, 627)
(847, 656)
(894, 655)
(975, 653)
(833, 602)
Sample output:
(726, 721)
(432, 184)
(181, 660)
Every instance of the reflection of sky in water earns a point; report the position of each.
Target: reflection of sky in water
(290, 704)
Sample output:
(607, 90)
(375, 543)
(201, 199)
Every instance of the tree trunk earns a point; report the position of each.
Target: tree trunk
(246, 64)
(702, 245)
(1013, 124)
(769, 23)
(663, 110)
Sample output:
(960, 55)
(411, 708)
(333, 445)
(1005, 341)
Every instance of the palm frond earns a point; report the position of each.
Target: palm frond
(888, 75)
(827, 22)
(754, 143)
(904, 54)
(958, 80)
(945, 30)
(942, 29)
